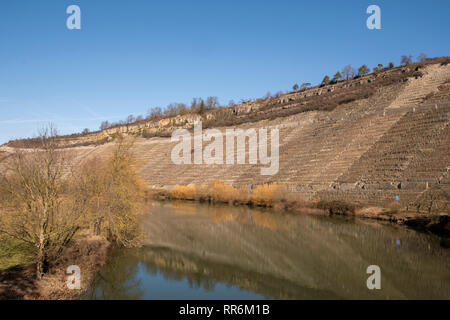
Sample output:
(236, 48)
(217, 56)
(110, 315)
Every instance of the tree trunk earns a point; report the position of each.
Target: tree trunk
(40, 264)
(97, 226)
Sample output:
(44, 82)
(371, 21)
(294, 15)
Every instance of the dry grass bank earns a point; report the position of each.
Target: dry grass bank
(20, 282)
(219, 192)
(267, 195)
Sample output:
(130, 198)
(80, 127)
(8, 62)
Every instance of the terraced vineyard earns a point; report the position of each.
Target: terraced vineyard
(393, 142)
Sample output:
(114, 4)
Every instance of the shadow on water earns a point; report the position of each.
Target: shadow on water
(196, 251)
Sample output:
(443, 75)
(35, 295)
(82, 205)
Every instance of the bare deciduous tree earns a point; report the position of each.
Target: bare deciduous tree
(212, 102)
(348, 72)
(39, 212)
(130, 119)
(406, 60)
(434, 199)
(45, 201)
(422, 57)
(105, 125)
(154, 113)
(113, 193)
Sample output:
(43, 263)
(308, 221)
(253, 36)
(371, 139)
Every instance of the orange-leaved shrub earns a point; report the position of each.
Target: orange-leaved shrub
(267, 195)
(221, 192)
(184, 193)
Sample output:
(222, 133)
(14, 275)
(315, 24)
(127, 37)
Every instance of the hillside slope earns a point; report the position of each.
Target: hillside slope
(355, 140)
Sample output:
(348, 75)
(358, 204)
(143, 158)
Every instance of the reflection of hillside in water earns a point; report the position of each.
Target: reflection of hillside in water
(288, 256)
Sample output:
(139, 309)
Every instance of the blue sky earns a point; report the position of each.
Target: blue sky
(133, 55)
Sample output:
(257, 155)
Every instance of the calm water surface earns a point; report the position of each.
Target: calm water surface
(197, 251)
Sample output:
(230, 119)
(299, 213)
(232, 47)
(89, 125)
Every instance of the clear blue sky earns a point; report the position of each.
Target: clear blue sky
(132, 55)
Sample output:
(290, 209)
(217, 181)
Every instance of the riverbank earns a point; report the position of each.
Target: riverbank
(276, 197)
(19, 282)
(438, 224)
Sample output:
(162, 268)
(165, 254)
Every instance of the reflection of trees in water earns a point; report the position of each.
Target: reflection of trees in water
(167, 263)
(206, 274)
(117, 279)
(260, 217)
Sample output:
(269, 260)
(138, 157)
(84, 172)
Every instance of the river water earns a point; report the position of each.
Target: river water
(198, 251)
